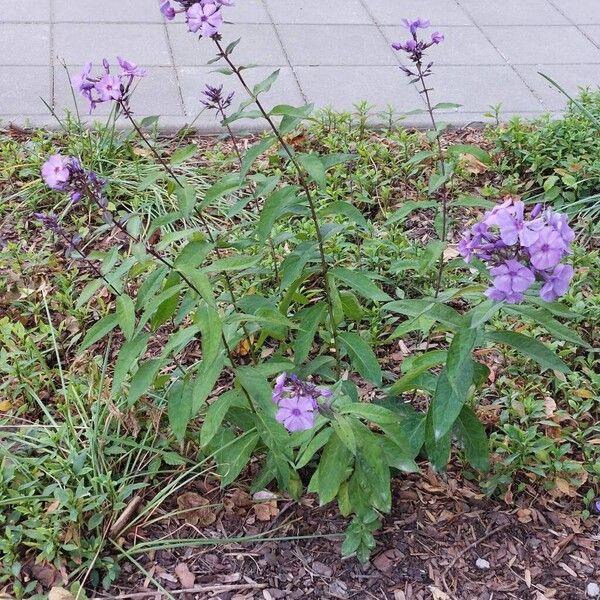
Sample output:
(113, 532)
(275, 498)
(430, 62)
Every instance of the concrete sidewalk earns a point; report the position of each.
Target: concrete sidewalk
(334, 52)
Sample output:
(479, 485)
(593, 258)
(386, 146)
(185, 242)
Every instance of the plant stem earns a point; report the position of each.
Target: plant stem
(305, 186)
(425, 92)
(238, 153)
(169, 170)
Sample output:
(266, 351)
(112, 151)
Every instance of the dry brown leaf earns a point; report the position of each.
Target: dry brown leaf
(472, 165)
(399, 595)
(524, 515)
(266, 510)
(197, 510)
(241, 499)
(438, 594)
(58, 593)
(549, 406)
(185, 576)
(581, 393)
(527, 577)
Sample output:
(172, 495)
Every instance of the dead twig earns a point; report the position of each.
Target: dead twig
(192, 590)
(478, 541)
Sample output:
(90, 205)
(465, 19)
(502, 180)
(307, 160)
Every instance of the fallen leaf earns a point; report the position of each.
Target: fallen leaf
(266, 510)
(47, 575)
(241, 499)
(58, 593)
(5, 405)
(581, 393)
(197, 510)
(185, 576)
(438, 594)
(549, 406)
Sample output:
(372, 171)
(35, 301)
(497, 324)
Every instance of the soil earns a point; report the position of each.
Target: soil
(444, 540)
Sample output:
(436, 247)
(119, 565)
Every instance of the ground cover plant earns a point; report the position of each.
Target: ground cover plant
(339, 312)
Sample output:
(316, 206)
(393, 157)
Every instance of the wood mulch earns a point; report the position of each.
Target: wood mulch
(443, 541)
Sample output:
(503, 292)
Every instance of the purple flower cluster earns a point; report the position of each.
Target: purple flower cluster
(66, 174)
(414, 47)
(51, 223)
(297, 401)
(107, 87)
(202, 16)
(215, 99)
(521, 250)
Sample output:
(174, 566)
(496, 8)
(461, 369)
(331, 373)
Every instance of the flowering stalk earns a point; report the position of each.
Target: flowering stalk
(305, 186)
(203, 221)
(415, 48)
(215, 100)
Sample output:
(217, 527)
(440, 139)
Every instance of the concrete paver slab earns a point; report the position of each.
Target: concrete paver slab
(25, 11)
(577, 76)
(336, 45)
(145, 44)
(439, 12)
(532, 44)
(332, 53)
(259, 45)
(462, 46)
(24, 44)
(317, 12)
(514, 12)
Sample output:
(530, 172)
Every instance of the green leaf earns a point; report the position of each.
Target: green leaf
(186, 198)
(314, 167)
(227, 185)
(360, 283)
(333, 465)
(529, 347)
(438, 450)
(126, 315)
(265, 85)
(179, 407)
(362, 357)
(480, 154)
(235, 456)
(459, 366)
(142, 379)
(351, 306)
(471, 434)
(446, 106)
(308, 321)
(316, 443)
(276, 205)
(254, 152)
(131, 351)
(347, 210)
(409, 207)
(182, 154)
(238, 262)
(431, 256)
(436, 181)
(438, 312)
(300, 112)
(215, 415)
(211, 328)
(99, 330)
(445, 406)
(548, 322)
(193, 255)
(206, 378)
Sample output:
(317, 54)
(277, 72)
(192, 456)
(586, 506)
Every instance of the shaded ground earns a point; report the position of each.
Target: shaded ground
(429, 547)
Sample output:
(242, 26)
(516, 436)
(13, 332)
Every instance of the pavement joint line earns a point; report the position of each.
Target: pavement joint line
(174, 69)
(577, 25)
(511, 65)
(284, 50)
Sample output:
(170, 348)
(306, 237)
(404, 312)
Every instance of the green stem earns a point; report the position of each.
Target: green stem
(305, 186)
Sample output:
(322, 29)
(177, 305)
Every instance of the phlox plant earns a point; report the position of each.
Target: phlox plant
(299, 409)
